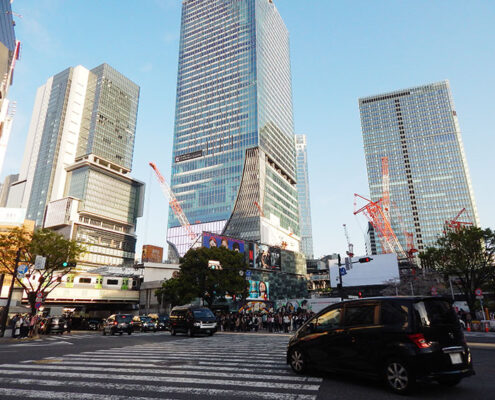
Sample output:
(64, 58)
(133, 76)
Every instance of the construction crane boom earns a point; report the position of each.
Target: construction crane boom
(174, 203)
(350, 246)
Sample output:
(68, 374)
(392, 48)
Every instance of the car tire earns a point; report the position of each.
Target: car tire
(190, 332)
(112, 332)
(398, 376)
(449, 381)
(211, 333)
(298, 361)
(172, 332)
(104, 332)
(129, 332)
(121, 333)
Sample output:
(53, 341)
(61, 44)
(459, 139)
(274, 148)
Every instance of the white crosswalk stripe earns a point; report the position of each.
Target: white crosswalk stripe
(222, 366)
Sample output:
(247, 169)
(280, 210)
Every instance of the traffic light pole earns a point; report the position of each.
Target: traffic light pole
(9, 297)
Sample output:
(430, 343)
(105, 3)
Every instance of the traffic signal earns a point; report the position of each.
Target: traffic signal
(67, 264)
(365, 259)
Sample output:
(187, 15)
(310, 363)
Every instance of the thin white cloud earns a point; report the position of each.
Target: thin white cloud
(147, 67)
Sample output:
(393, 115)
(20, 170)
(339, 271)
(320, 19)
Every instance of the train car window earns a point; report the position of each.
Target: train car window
(84, 280)
(112, 282)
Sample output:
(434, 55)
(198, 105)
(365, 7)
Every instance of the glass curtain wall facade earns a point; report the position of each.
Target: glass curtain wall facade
(304, 198)
(233, 94)
(418, 130)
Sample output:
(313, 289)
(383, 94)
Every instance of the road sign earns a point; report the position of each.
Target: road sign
(434, 291)
(37, 305)
(248, 274)
(22, 269)
(39, 295)
(343, 271)
(39, 262)
(478, 292)
(479, 297)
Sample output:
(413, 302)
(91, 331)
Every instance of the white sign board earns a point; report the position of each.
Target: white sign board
(12, 216)
(382, 268)
(39, 262)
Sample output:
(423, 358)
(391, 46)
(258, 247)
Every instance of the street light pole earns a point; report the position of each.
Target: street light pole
(9, 297)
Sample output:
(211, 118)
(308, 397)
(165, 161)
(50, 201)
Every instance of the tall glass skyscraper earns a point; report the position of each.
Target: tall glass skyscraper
(418, 130)
(304, 198)
(75, 175)
(233, 95)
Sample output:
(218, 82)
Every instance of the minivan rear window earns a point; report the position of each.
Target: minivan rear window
(435, 312)
(123, 318)
(203, 313)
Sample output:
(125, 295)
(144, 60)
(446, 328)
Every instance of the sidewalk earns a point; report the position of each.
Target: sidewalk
(7, 338)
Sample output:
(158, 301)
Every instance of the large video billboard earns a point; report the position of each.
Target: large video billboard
(268, 257)
(259, 290)
(213, 240)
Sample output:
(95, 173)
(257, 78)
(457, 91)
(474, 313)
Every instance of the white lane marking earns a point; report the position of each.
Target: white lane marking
(123, 357)
(174, 379)
(45, 394)
(154, 371)
(282, 370)
(203, 392)
(42, 344)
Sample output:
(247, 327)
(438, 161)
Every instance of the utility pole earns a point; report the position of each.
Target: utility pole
(9, 298)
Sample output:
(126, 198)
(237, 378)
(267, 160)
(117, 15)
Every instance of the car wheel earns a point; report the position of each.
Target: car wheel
(129, 332)
(112, 332)
(190, 332)
(398, 376)
(120, 333)
(172, 332)
(297, 361)
(211, 333)
(449, 381)
(104, 332)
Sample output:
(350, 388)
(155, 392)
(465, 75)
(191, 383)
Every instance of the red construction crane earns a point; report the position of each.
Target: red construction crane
(455, 224)
(386, 188)
(374, 212)
(174, 203)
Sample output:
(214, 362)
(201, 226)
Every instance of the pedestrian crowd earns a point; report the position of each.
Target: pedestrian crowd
(30, 325)
(281, 322)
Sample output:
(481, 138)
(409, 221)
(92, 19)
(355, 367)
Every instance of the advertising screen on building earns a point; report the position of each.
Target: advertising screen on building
(259, 290)
(268, 257)
(212, 240)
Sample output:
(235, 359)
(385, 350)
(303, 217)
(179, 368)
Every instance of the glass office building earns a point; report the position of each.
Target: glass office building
(304, 198)
(418, 130)
(234, 94)
(75, 176)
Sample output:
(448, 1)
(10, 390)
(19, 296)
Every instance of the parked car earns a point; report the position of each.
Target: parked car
(163, 323)
(398, 339)
(148, 324)
(192, 320)
(118, 323)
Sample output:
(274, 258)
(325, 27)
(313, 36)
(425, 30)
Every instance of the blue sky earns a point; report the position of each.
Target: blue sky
(340, 51)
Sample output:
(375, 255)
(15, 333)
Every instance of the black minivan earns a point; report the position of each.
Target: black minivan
(398, 339)
(191, 320)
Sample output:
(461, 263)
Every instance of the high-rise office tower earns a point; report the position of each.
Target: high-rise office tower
(418, 130)
(5, 188)
(75, 172)
(304, 198)
(9, 52)
(233, 167)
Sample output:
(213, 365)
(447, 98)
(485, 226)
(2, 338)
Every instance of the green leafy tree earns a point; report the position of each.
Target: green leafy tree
(19, 246)
(467, 255)
(197, 280)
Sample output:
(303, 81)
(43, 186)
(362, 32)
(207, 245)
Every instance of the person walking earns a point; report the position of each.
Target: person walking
(14, 320)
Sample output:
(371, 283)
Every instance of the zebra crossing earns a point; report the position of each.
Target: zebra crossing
(65, 339)
(217, 367)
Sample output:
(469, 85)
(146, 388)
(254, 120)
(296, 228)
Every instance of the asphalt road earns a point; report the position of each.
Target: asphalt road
(157, 365)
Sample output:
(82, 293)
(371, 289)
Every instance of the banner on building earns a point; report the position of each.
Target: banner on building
(259, 290)
(268, 257)
(213, 240)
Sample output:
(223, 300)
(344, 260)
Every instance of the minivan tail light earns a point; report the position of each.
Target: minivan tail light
(419, 340)
(115, 322)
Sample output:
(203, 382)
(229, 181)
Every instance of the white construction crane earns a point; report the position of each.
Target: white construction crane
(350, 246)
(174, 203)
